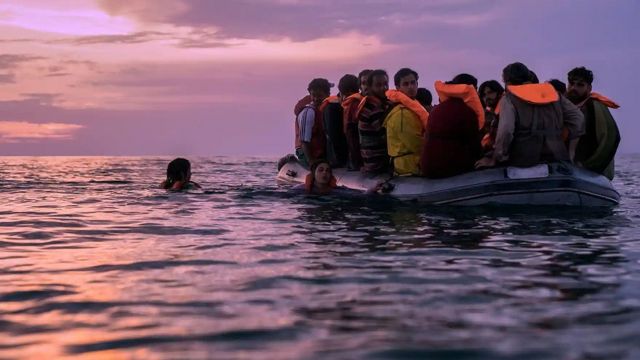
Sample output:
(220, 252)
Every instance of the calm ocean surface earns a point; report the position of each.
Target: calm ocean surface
(96, 262)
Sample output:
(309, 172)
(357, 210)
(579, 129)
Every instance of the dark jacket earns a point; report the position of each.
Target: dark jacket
(452, 141)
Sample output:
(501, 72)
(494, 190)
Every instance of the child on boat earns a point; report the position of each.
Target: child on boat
(179, 176)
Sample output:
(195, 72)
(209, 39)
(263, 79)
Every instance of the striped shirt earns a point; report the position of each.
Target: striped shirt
(373, 136)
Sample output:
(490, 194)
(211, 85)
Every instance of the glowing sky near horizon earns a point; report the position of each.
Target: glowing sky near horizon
(182, 77)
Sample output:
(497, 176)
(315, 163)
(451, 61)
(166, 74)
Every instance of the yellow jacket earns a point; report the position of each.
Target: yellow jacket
(404, 140)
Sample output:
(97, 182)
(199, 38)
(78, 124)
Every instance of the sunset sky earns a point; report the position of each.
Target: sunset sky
(209, 77)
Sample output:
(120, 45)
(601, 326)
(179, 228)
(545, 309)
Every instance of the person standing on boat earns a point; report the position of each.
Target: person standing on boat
(405, 124)
(371, 114)
(349, 86)
(597, 147)
(452, 137)
(532, 118)
(309, 130)
(490, 93)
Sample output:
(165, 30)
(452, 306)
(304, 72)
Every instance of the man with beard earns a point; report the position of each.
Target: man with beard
(597, 147)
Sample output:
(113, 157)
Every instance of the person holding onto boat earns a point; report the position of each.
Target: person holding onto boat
(532, 122)
(321, 181)
(371, 113)
(349, 86)
(490, 93)
(405, 124)
(452, 137)
(597, 147)
(310, 141)
(179, 176)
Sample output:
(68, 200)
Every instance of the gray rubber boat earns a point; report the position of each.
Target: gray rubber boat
(546, 184)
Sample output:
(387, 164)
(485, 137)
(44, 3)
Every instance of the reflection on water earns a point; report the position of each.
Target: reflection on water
(95, 261)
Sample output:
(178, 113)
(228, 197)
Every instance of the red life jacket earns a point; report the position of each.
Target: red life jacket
(318, 141)
(348, 114)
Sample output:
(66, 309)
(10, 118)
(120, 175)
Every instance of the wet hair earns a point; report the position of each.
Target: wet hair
(374, 73)
(581, 73)
(516, 74)
(464, 79)
(321, 85)
(348, 84)
(177, 171)
(559, 86)
(491, 84)
(424, 97)
(402, 73)
(314, 166)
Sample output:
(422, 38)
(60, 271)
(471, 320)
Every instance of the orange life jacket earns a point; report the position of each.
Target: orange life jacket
(413, 105)
(346, 106)
(465, 92)
(604, 100)
(363, 101)
(538, 94)
(308, 182)
(327, 101)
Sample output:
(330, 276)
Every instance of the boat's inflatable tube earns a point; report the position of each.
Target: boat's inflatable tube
(546, 184)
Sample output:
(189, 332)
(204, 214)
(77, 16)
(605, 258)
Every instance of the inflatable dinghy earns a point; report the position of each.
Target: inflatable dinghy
(545, 184)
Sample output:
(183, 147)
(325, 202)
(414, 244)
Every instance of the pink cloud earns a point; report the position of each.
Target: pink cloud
(19, 131)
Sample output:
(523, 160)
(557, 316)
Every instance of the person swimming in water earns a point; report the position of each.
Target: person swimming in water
(179, 176)
(320, 181)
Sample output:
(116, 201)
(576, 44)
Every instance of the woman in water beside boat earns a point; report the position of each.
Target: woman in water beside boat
(320, 181)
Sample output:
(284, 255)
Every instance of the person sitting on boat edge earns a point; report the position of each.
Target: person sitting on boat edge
(597, 147)
(452, 137)
(405, 124)
(320, 181)
(372, 111)
(532, 117)
(348, 87)
(310, 141)
(179, 176)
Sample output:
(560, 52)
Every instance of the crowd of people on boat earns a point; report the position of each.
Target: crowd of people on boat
(370, 128)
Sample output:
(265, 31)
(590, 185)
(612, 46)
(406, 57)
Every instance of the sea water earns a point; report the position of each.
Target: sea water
(97, 262)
